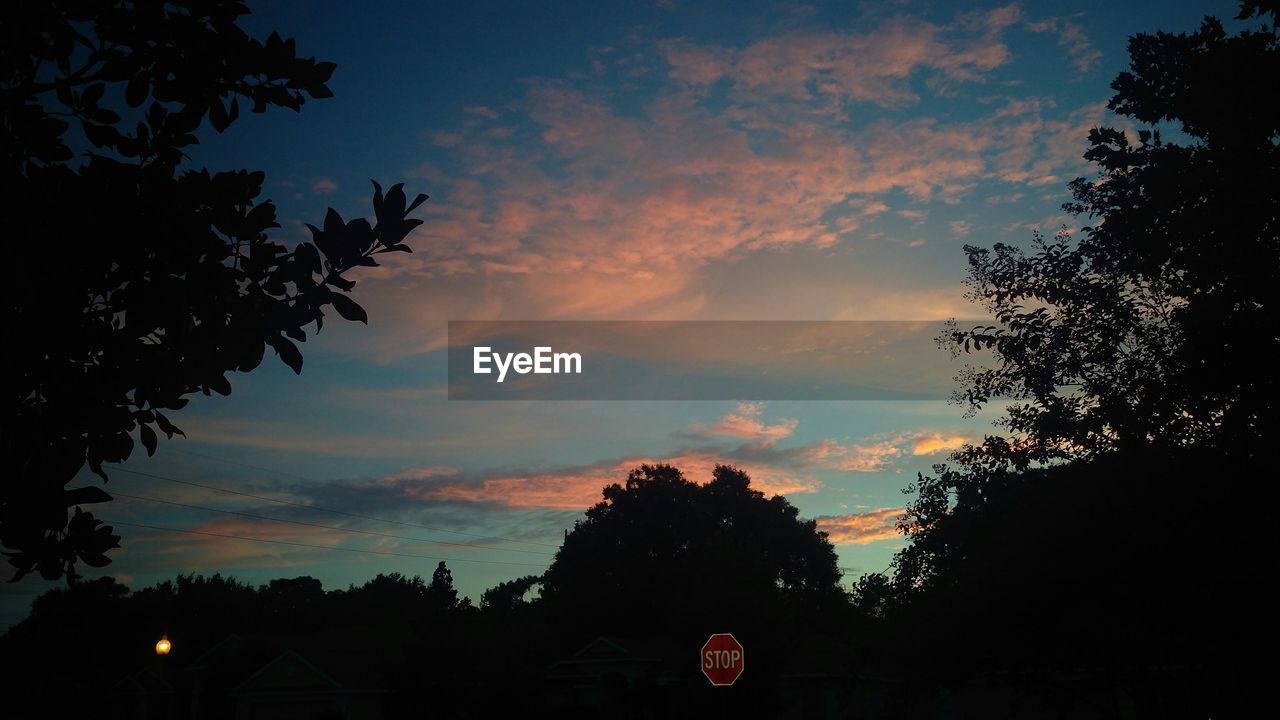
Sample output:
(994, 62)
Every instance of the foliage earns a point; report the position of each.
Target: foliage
(510, 594)
(142, 279)
(1136, 359)
(441, 589)
(662, 552)
(1157, 325)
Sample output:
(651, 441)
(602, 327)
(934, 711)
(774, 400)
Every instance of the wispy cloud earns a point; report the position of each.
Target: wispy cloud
(324, 186)
(747, 424)
(595, 202)
(934, 443)
(861, 528)
(1073, 38)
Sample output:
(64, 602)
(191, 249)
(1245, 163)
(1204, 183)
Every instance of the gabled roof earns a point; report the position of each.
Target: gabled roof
(288, 672)
(229, 644)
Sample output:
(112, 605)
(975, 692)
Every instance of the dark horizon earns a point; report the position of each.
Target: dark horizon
(913, 357)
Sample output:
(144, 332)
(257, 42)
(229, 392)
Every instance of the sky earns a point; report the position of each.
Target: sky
(665, 160)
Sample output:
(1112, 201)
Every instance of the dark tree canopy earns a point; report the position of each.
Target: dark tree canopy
(510, 594)
(661, 547)
(1157, 324)
(1138, 357)
(142, 279)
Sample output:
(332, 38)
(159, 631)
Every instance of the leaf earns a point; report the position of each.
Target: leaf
(101, 135)
(333, 223)
(309, 257)
(149, 438)
(50, 568)
(220, 384)
(324, 70)
(93, 94)
(63, 92)
(262, 216)
(360, 234)
(104, 116)
(95, 559)
(117, 447)
(218, 115)
(169, 428)
(135, 93)
(85, 496)
(288, 352)
(251, 355)
(348, 308)
(394, 203)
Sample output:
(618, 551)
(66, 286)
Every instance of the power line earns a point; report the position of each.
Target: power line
(324, 527)
(215, 458)
(312, 545)
(325, 509)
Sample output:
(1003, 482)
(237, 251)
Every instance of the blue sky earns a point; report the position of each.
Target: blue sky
(610, 161)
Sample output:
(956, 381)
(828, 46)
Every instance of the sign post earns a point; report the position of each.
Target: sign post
(722, 659)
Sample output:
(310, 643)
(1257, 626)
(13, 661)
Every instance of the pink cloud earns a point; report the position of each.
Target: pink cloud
(593, 211)
(838, 67)
(862, 528)
(747, 424)
(324, 186)
(853, 457)
(214, 550)
(482, 111)
(581, 488)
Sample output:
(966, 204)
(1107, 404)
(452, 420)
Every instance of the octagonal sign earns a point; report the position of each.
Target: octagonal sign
(722, 659)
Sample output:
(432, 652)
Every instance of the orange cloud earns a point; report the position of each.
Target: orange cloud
(937, 442)
(746, 424)
(587, 210)
(191, 549)
(578, 489)
(853, 457)
(862, 528)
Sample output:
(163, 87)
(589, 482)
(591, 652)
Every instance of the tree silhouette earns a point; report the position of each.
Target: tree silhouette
(1137, 357)
(510, 594)
(1156, 325)
(141, 279)
(661, 552)
(1152, 330)
(441, 590)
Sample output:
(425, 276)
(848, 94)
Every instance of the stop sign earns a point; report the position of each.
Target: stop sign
(722, 659)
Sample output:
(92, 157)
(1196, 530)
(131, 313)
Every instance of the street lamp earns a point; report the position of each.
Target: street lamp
(164, 646)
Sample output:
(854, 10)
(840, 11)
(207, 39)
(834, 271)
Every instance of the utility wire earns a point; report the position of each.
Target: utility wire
(324, 509)
(324, 527)
(215, 458)
(312, 545)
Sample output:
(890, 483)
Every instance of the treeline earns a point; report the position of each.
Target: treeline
(660, 564)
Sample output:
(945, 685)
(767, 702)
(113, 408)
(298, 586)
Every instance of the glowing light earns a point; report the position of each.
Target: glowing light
(163, 647)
